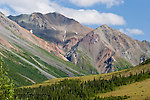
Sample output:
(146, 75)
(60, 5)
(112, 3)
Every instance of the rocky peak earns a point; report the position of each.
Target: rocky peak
(105, 26)
(53, 27)
(105, 43)
(104, 33)
(59, 19)
(144, 41)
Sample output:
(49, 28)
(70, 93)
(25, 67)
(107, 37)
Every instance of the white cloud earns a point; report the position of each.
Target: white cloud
(132, 31)
(87, 3)
(81, 15)
(29, 6)
(94, 17)
(5, 11)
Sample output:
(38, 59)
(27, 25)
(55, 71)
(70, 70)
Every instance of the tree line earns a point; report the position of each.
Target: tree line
(79, 90)
(68, 89)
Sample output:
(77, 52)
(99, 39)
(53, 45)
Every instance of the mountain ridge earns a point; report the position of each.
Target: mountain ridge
(105, 45)
(104, 49)
(53, 27)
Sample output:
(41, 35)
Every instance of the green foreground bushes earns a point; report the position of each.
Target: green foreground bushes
(6, 85)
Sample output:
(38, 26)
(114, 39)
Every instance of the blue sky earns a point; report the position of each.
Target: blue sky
(131, 17)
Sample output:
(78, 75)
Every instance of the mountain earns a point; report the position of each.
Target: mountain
(53, 27)
(31, 59)
(103, 49)
(108, 50)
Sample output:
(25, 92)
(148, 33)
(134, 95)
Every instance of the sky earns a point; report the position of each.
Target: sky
(131, 17)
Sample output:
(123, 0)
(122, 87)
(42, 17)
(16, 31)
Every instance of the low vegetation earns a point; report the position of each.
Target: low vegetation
(6, 84)
(19, 68)
(94, 87)
(136, 91)
(77, 89)
(121, 64)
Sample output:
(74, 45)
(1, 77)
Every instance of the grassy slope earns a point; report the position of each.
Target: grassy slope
(136, 91)
(121, 64)
(125, 72)
(17, 66)
(48, 68)
(67, 63)
(85, 62)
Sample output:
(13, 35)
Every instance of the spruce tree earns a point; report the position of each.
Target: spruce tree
(6, 85)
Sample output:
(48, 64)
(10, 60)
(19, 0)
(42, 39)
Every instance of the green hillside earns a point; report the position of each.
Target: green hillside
(21, 66)
(136, 91)
(137, 69)
(91, 87)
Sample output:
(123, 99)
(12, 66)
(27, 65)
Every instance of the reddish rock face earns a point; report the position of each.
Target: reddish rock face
(105, 46)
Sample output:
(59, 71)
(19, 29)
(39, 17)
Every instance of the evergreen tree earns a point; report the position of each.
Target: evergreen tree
(6, 86)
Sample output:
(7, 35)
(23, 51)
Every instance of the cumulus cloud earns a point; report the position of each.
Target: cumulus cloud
(87, 3)
(81, 15)
(94, 17)
(132, 31)
(29, 6)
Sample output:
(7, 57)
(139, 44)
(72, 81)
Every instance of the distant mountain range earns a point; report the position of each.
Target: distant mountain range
(38, 47)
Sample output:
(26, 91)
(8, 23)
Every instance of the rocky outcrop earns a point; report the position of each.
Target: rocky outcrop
(104, 46)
